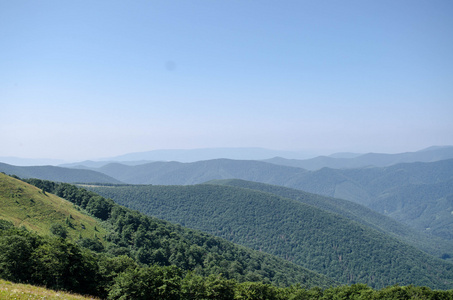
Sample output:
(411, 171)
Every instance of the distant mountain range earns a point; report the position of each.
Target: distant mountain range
(57, 174)
(192, 155)
(18, 161)
(198, 172)
(286, 158)
(350, 161)
(300, 159)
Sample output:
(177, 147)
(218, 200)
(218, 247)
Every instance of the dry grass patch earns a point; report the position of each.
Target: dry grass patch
(9, 290)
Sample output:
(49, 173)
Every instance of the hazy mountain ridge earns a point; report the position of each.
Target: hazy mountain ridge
(198, 172)
(325, 242)
(57, 174)
(193, 155)
(299, 159)
(19, 161)
(430, 154)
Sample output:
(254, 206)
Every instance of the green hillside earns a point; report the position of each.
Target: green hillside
(28, 206)
(327, 243)
(429, 243)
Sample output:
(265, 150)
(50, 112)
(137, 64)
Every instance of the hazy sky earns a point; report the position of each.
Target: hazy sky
(89, 79)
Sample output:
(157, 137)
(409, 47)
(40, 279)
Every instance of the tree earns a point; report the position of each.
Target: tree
(152, 282)
(59, 230)
(15, 252)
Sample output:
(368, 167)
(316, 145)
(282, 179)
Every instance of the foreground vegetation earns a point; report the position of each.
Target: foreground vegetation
(60, 264)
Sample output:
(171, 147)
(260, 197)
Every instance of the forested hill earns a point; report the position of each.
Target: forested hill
(152, 241)
(57, 174)
(325, 242)
(431, 244)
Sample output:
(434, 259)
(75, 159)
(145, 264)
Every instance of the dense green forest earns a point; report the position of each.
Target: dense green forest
(368, 217)
(58, 263)
(318, 240)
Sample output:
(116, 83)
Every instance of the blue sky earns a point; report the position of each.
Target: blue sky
(90, 79)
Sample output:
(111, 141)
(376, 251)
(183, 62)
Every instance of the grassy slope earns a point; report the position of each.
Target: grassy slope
(26, 205)
(9, 290)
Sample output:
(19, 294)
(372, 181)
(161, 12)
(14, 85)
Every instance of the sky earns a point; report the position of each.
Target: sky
(90, 79)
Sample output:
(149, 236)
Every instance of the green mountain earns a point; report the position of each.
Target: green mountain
(322, 241)
(145, 239)
(428, 243)
(57, 174)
